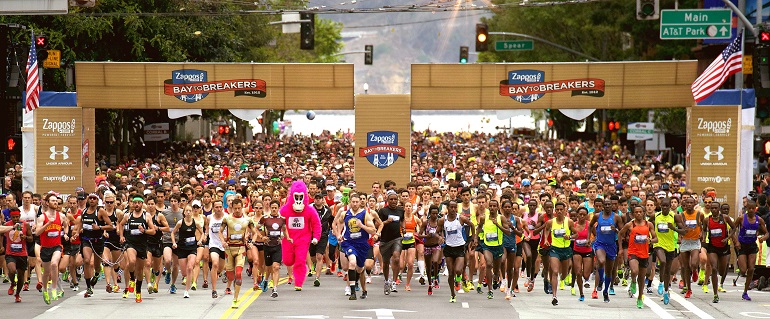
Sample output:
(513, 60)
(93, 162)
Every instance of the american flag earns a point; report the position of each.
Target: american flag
(33, 83)
(725, 65)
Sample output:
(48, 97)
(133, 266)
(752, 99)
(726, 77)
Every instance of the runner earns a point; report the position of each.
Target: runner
(49, 227)
(133, 230)
(354, 245)
(190, 237)
(690, 243)
(408, 250)
(319, 249)
(201, 255)
(582, 255)
(236, 226)
(717, 228)
(544, 244)
(512, 257)
(113, 251)
(749, 227)
(452, 227)
(155, 244)
(531, 239)
(640, 235)
(493, 227)
(173, 215)
(273, 230)
(71, 258)
(561, 230)
(432, 240)
(389, 234)
(604, 228)
(213, 227)
(665, 249)
(17, 236)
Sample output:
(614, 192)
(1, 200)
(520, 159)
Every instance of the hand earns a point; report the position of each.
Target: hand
(225, 245)
(106, 235)
(94, 225)
(738, 245)
(671, 226)
(290, 240)
(122, 239)
(141, 229)
(314, 241)
(173, 245)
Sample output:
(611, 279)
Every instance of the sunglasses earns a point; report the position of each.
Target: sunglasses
(110, 202)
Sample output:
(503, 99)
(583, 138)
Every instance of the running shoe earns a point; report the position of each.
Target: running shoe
(478, 289)
(624, 282)
(339, 274)
(721, 289)
(358, 286)
(270, 284)
(746, 296)
(18, 298)
(386, 289)
(531, 286)
(666, 298)
(688, 294)
(495, 285)
(274, 294)
(76, 287)
(468, 286)
(706, 288)
(228, 291)
(10, 291)
(452, 299)
(235, 302)
(516, 289)
(214, 294)
(612, 291)
(430, 290)
(256, 287)
(716, 299)
(194, 286)
(364, 294)
(639, 303)
(132, 285)
(435, 284)
(352, 296)
(422, 280)
(289, 281)
(125, 293)
(26, 287)
(186, 294)
(108, 288)
(660, 288)
(47, 299)
(701, 276)
(546, 286)
(316, 283)
(632, 290)
(572, 291)
(172, 290)
(582, 298)
(58, 295)
(116, 289)
(554, 301)
(587, 285)
(681, 284)
(409, 288)
(39, 286)
(649, 290)
(298, 288)
(508, 295)
(263, 285)
(561, 285)
(168, 277)
(347, 291)
(490, 295)
(138, 298)
(606, 296)
(594, 294)
(205, 284)
(394, 287)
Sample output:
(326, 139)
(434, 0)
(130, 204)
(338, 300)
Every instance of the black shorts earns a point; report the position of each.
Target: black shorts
(520, 249)
(71, 249)
(545, 252)
(624, 244)
(720, 251)
(643, 262)
(589, 254)
(454, 252)
(46, 253)
(273, 255)
(168, 245)
(21, 262)
(141, 249)
(31, 249)
(748, 249)
(260, 246)
(319, 248)
(390, 248)
(218, 251)
(155, 250)
(670, 255)
(184, 253)
(407, 246)
(95, 244)
(113, 245)
(370, 253)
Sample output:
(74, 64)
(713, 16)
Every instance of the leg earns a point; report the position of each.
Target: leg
(409, 265)
(488, 265)
(300, 263)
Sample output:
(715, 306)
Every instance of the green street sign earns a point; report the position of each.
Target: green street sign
(695, 24)
(515, 45)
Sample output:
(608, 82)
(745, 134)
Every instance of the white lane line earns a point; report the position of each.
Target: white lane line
(52, 309)
(465, 305)
(690, 306)
(657, 309)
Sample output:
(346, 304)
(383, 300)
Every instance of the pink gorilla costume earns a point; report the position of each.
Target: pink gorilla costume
(304, 228)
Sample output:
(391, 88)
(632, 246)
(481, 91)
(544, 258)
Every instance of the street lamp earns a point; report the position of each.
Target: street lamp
(366, 88)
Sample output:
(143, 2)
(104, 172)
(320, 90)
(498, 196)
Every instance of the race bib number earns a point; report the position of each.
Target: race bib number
(662, 227)
(53, 234)
(530, 227)
(236, 236)
(491, 236)
(296, 222)
(408, 236)
(640, 239)
(581, 242)
(355, 235)
(136, 232)
(716, 232)
(274, 233)
(751, 232)
(559, 233)
(606, 229)
(431, 231)
(16, 248)
(394, 218)
(189, 241)
(88, 227)
(215, 228)
(451, 231)
(691, 223)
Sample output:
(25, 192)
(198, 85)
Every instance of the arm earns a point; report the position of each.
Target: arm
(121, 228)
(654, 238)
(106, 219)
(763, 228)
(286, 233)
(163, 224)
(368, 225)
(518, 230)
(572, 231)
(39, 226)
(547, 232)
(221, 233)
(315, 225)
(505, 225)
(592, 226)
(480, 227)
(174, 232)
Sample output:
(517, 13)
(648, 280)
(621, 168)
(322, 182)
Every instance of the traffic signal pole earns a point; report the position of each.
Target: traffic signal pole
(559, 46)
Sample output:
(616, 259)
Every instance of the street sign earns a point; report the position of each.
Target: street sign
(156, 132)
(640, 131)
(695, 24)
(515, 45)
(748, 64)
(53, 61)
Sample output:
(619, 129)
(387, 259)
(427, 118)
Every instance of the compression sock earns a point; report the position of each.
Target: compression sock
(132, 276)
(601, 274)
(138, 286)
(421, 267)
(352, 276)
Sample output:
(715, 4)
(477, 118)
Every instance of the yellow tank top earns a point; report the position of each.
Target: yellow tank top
(560, 234)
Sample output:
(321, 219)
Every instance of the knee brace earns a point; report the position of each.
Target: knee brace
(238, 276)
(230, 275)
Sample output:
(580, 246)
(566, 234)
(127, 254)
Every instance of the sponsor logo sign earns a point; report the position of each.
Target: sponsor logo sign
(193, 85)
(382, 148)
(527, 86)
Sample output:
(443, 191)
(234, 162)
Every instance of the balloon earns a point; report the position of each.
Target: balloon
(310, 115)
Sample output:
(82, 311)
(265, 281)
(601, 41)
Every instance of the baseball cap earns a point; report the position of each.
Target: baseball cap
(196, 203)
(93, 195)
(330, 188)
(498, 171)
(615, 175)
(525, 182)
(81, 195)
(244, 181)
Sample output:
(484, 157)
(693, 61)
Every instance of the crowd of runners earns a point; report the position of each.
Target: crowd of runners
(481, 214)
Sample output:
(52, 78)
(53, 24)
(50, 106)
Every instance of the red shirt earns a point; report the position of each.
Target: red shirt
(51, 236)
(14, 244)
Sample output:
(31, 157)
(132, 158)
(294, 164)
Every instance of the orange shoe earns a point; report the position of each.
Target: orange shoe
(138, 298)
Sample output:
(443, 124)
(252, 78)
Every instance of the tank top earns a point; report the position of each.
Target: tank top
(236, 229)
(72, 228)
(353, 231)
(530, 227)
(467, 213)
(691, 225)
(215, 225)
(510, 240)
(187, 240)
(748, 232)
(545, 239)
(51, 235)
(410, 227)
(87, 221)
(604, 232)
(560, 233)
(157, 237)
(135, 236)
(582, 240)
(638, 245)
(717, 232)
(28, 216)
(453, 236)
(666, 237)
(114, 222)
(430, 229)
(492, 235)
(14, 245)
(207, 212)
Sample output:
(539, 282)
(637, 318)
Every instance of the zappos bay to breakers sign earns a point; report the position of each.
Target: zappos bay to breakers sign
(193, 85)
(527, 86)
(382, 148)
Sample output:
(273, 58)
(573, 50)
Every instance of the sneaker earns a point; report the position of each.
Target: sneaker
(76, 288)
(214, 294)
(490, 295)
(468, 286)
(508, 295)
(289, 281)
(387, 288)
(352, 296)
(317, 283)
(270, 285)
(172, 290)
(531, 286)
(228, 291)
(594, 294)
(205, 284)
(339, 274)
(706, 288)
(639, 303)
(587, 285)
(666, 298)
(572, 291)
(452, 299)
(57, 295)
(10, 291)
(394, 287)
(624, 282)
(430, 290)
(516, 289)
(138, 298)
(688, 294)
(582, 298)
(47, 299)
(660, 288)
(632, 290)
(235, 303)
(554, 301)
(347, 291)
(108, 288)
(546, 286)
(39, 286)
(561, 285)
(606, 296)
(681, 284)
(612, 291)
(358, 286)
(297, 288)
(274, 294)
(18, 298)
(263, 285)
(125, 293)
(26, 287)
(435, 284)
(364, 294)
(194, 286)
(409, 288)
(186, 294)
(422, 280)
(368, 280)
(478, 289)
(168, 277)
(716, 299)
(746, 296)
(116, 289)
(721, 289)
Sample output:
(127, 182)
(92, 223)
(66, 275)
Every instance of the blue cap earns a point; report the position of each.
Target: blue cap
(525, 182)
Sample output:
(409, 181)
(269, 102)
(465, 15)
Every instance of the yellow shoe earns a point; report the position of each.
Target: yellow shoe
(125, 294)
(721, 289)
(561, 285)
(131, 286)
(235, 304)
(705, 289)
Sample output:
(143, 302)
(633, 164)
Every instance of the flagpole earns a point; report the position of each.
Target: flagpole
(28, 142)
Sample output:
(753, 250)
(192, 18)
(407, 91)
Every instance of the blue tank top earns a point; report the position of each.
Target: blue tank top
(353, 231)
(510, 240)
(748, 233)
(604, 232)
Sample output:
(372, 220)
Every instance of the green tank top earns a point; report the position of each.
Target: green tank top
(493, 236)
(666, 237)
(560, 234)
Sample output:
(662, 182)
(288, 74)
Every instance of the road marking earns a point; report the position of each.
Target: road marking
(230, 310)
(243, 306)
(354, 317)
(465, 305)
(690, 306)
(53, 309)
(657, 309)
(383, 313)
(753, 314)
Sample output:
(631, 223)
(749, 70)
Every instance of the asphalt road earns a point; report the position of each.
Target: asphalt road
(329, 301)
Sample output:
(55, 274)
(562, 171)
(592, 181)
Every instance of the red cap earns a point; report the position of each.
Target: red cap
(711, 194)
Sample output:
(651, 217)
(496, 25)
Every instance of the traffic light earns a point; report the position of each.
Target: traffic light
(761, 62)
(369, 54)
(613, 126)
(224, 130)
(41, 45)
(647, 9)
(482, 34)
(307, 31)
(766, 147)
(763, 107)
(463, 54)
(13, 146)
